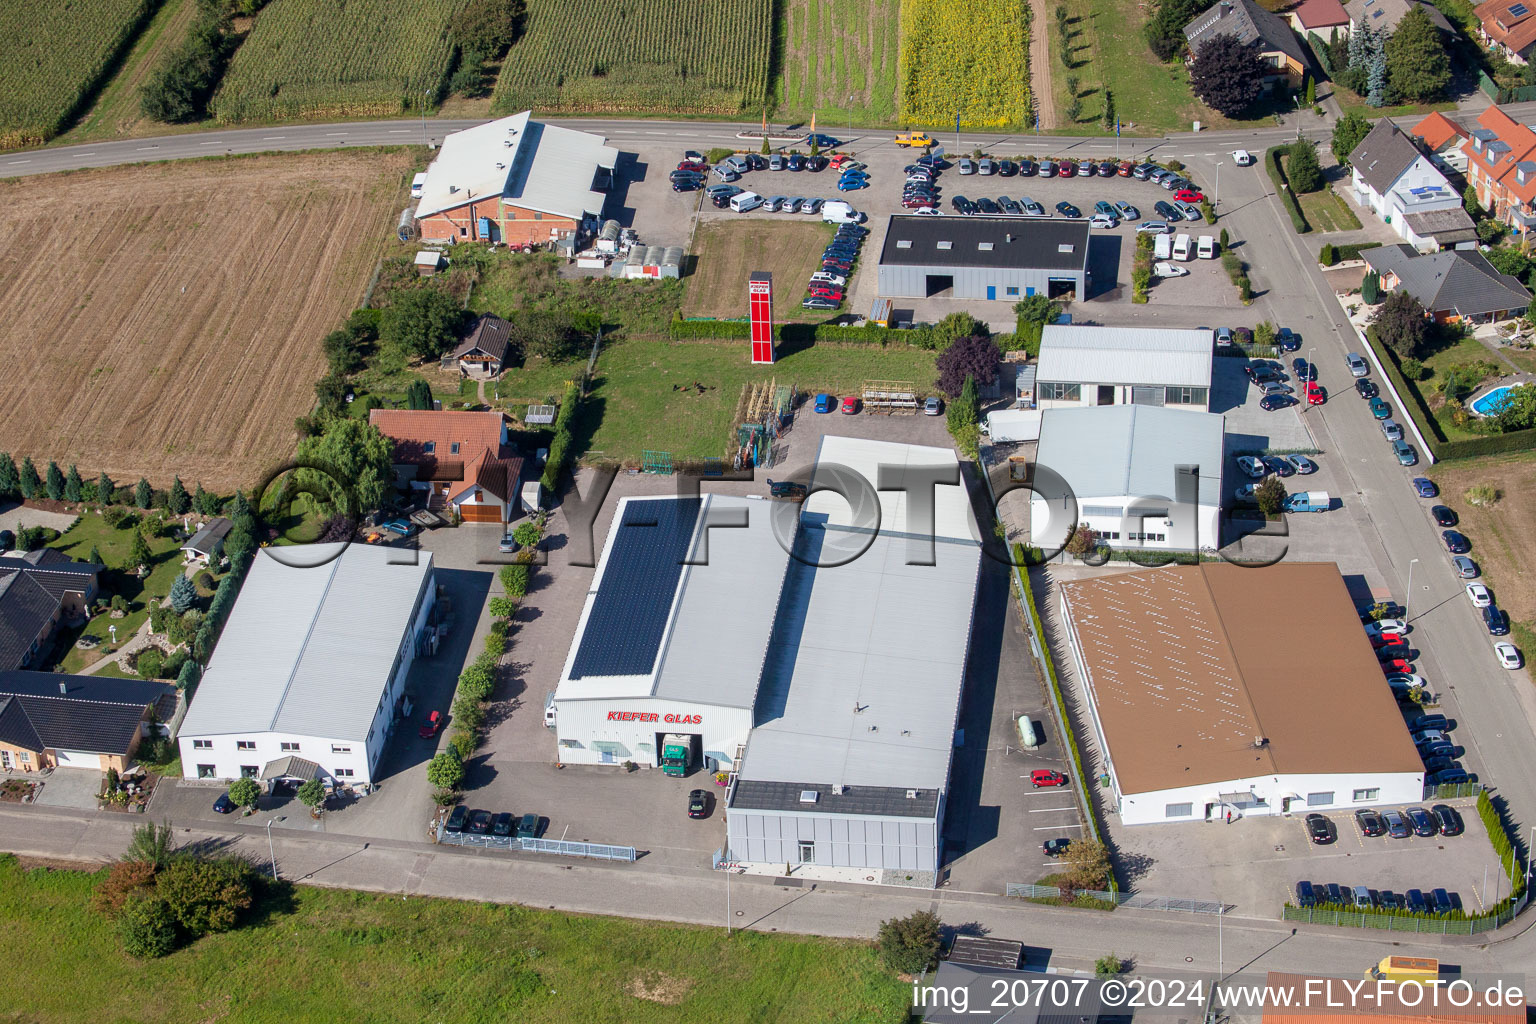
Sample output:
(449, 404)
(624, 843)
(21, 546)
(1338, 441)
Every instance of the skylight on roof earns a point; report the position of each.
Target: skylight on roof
(984, 246)
(903, 243)
(945, 245)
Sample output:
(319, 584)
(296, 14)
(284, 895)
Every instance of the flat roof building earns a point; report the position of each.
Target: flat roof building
(1096, 366)
(312, 663)
(1198, 718)
(1000, 258)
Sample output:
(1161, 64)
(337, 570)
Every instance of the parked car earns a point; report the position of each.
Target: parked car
(224, 805)
(1465, 568)
(1288, 340)
(1508, 654)
(479, 822)
(1366, 389)
(1278, 466)
(456, 819)
(1153, 227)
(528, 826)
(1442, 515)
(1007, 168)
(1301, 464)
(933, 406)
(850, 405)
(1127, 211)
(1188, 195)
(1406, 455)
(1055, 847)
(1370, 823)
(1496, 621)
(1455, 543)
(1357, 365)
(1421, 822)
(1320, 830)
(1397, 825)
(1068, 210)
(1303, 369)
(698, 804)
(967, 165)
(1432, 721)
(430, 728)
(1223, 337)
(1381, 410)
(825, 403)
(1269, 403)
(1414, 902)
(502, 824)
(1440, 899)
(1041, 777)
(1425, 488)
(1305, 895)
(1165, 269)
(1032, 208)
(1252, 466)
(1449, 777)
(1479, 595)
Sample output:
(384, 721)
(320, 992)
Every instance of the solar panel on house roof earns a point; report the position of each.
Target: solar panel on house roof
(634, 597)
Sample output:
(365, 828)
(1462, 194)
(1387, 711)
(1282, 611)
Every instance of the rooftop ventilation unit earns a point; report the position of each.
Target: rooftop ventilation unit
(911, 794)
(837, 788)
(1065, 247)
(903, 243)
(984, 246)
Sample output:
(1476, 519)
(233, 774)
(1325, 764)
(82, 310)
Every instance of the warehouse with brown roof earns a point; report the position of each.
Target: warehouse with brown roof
(1215, 689)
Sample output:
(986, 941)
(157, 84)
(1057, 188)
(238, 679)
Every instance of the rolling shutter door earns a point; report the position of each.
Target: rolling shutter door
(1143, 395)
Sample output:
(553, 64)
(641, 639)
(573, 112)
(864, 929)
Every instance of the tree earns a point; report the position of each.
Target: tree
(1490, 231)
(1512, 262)
(910, 944)
(143, 494)
(348, 466)
(1370, 288)
(1302, 170)
(965, 409)
(149, 663)
(10, 480)
(1081, 541)
(181, 83)
(1347, 133)
(53, 482)
(1270, 496)
(969, 357)
(1309, 93)
(105, 488)
(312, 794)
(1376, 73)
(147, 928)
(446, 770)
(29, 481)
(187, 678)
(488, 26)
(1469, 201)
(1032, 315)
(151, 844)
(1418, 67)
(342, 353)
(1085, 865)
(1165, 29)
(125, 879)
(558, 336)
(244, 792)
(527, 534)
(1109, 111)
(94, 558)
(1401, 324)
(183, 595)
(139, 555)
(204, 503)
(74, 487)
(423, 321)
(1227, 74)
(178, 501)
(418, 395)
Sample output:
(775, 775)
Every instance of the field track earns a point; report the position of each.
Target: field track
(167, 318)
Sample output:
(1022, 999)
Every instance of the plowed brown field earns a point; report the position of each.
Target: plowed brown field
(167, 319)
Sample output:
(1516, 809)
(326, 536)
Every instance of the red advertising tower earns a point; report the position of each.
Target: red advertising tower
(760, 298)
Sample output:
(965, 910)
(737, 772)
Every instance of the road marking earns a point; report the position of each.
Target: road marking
(215, 143)
(655, 133)
(1043, 810)
(330, 134)
(625, 131)
(1048, 828)
(145, 149)
(270, 138)
(398, 131)
(18, 161)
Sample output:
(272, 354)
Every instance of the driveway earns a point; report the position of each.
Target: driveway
(14, 517)
(70, 787)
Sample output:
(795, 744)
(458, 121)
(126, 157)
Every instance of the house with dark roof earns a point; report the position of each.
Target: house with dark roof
(454, 460)
(1508, 27)
(1384, 15)
(38, 590)
(207, 544)
(1267, 33)
(1452, 286)
(483, 352)
(1403, 187)
(1501, 167)
(50, 720)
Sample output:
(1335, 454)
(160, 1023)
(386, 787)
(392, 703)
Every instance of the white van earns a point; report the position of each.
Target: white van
(741, 202)
(1162, 246)
(1206, 247)
(838, 212)
(417, 184)
(1182, 250)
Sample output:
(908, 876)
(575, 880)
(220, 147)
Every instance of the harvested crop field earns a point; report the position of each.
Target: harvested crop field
(730, 250)
(166, 319)
(1500, 533)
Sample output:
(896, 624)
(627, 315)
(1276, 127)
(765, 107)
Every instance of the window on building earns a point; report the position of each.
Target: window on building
(342, 773)
(286, 745)
(453, 448)
(1184, 396)
(463, 232)
(807, 852)
(1056, 391)
(1367, 795)
(1320, 799)
(1012, 290)
(428, 447)
(245, 744)
(1178, 810)
(537, 215)
(24, 756)
(205, 771)
(337, 748)
(1103, 511)
(249, 771)
(202, 744)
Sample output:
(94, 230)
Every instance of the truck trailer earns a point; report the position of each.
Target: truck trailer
(676, 754)
(1007, 425)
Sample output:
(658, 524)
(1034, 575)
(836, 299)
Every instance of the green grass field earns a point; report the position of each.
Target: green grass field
(1325, 211)
(55, 57)
(838, 61)
(640, 56)
(325, 956)
(633, 407)
(316, 59)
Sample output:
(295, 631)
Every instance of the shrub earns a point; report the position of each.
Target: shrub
(118, 517)
(125, 879)
(1414, 370)
(1283, 189)
(476, 683)
(206, 895)
(146, 927)
(245, 792)
(910, 944)
(462, 743)
(1328, 255)
(174, 662)
(1483, 495)
(150, 663)
(515, 578)
(446, 770)
(1110, 963)
(502, 607)
(1270, 496)
(468, 711)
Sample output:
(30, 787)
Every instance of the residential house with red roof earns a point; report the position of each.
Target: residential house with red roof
(1501, 166)
(455, 460)
(1442, 138)
(1320, 16)
(1508, 26)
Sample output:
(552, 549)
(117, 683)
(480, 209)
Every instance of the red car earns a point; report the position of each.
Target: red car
(1125, 168)
(689, 165)
(434, 723)
(835, 294)
(918, 204)
(1045, 777)
(1384, 639)
(1316, 394)
(850, 405)
(1188, 195)
(1397, 666)
(1066, 169)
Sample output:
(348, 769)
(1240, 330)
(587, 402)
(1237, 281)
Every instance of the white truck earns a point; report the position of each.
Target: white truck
(1008, 425)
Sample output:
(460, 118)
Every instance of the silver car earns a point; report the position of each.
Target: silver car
(1391, 431)
(1465, 568)
(1190, 211)
(1357, 367)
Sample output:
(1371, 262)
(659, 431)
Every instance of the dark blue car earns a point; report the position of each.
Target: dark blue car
(1425, 487)
(224, 805)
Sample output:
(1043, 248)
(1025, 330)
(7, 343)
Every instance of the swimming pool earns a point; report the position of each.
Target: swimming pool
(1492, 403)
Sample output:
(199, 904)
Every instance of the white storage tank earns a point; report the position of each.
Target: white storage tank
(1029, 733)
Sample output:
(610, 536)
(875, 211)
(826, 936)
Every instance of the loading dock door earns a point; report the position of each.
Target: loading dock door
(938, 284)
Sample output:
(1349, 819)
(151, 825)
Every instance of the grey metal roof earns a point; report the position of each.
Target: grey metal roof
(311, 641)
(1458, 281)
(206, 540)
(1111, 451)
(94, 714)
(1385, 14)
(997, 242)
(1445, 226)
(1383, 155)
(1125, 355)
(290, 766)
(1250, 23)
(881, 801)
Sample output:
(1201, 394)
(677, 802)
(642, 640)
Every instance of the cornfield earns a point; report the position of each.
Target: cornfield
(967, 58)
(607, 56)
(339, 58)
(55, 54)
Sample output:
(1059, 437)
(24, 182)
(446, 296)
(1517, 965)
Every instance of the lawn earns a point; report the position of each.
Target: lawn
(730, 250)
(839, 61)
(635, 308)
(332, 955)
(633, 406)
(1465, 351)
(90, 530)
(1325, 211)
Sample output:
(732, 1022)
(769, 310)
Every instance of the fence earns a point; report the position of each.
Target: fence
(562, 847)
(1513, 94)
(1133, 900)
(1501, 916)
(1452, 790)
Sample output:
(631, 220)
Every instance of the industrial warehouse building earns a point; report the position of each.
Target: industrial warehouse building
(1001, 258)
(1081, 365)
(1138, 476)
(515, 180)
(308, 678)
(827, 681)
(1197, 717)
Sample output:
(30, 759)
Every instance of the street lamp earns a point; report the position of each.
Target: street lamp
(850, 116)
(1218, 183)
(1408, 597)
(424, 94)
(270, 851)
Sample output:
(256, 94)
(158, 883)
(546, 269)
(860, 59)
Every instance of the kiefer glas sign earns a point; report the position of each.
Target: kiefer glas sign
(651, 716)
(760, 301)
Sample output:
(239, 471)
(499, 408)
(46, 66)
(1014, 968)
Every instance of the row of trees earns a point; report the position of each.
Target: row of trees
(181, 85)
(56, 484)
(1410, 64)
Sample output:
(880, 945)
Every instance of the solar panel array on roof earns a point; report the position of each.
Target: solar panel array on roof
(634, 598)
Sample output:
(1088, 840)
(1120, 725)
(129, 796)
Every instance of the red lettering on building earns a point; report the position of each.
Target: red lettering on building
(671, 718)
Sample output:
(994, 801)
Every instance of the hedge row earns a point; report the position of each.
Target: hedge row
(1283, 189)
(1331, 255)
(800, 335)
(1498, 835)
(560, 447)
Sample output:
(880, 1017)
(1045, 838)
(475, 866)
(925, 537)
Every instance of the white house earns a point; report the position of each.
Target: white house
(308, 678)
(1138, 476)
(1081, 366)
(1403, 187)
(1198, 720)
